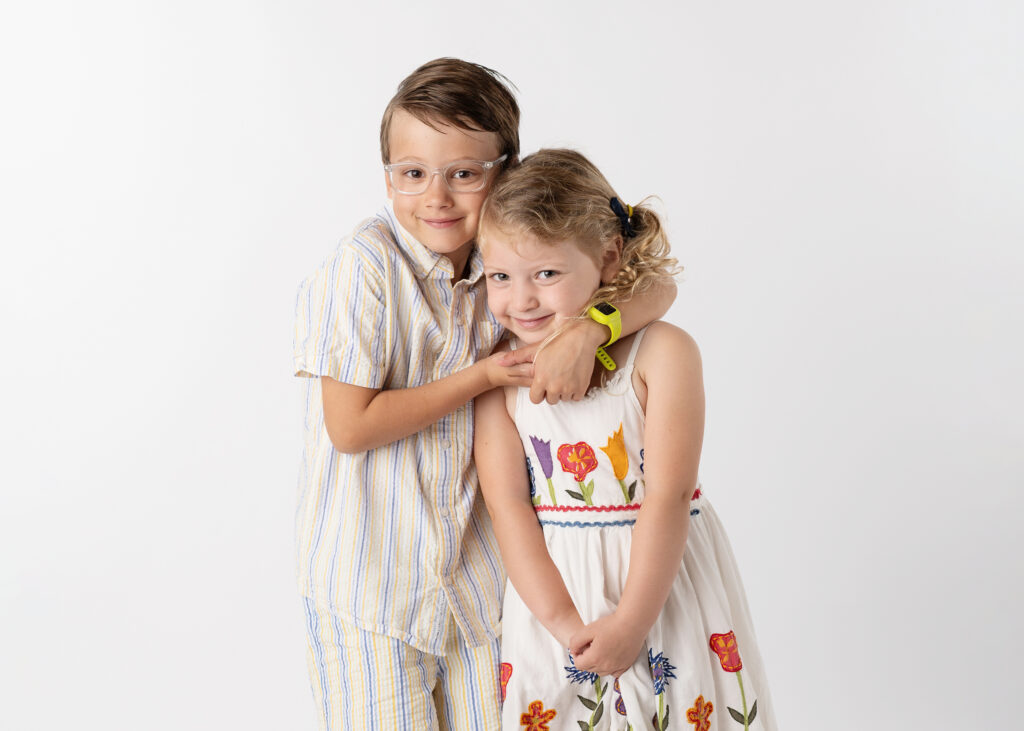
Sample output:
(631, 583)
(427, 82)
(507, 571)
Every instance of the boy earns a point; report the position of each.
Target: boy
(397, 559)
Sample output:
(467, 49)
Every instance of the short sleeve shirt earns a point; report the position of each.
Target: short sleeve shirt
(396, 538)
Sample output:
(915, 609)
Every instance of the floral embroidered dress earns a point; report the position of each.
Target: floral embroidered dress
(701, 668)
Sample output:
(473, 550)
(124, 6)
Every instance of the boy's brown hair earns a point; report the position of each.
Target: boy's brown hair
(461, 94)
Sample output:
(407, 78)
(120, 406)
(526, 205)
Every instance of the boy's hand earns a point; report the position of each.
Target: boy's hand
(608, 646)
(505, 371)
(564, 366)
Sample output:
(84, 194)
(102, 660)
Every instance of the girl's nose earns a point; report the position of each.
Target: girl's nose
(525, 299)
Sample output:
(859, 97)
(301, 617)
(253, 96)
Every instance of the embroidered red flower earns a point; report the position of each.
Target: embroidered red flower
(578, 459)
(537, 719)
(700, 714)
(506, 673)
(727, 651)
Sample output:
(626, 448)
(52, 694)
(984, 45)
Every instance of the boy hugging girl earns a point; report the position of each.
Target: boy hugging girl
(399, 565)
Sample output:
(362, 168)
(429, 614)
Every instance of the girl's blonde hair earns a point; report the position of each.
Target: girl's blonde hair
(558, 195)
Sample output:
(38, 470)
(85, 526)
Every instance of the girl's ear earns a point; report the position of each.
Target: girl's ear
(611, 262)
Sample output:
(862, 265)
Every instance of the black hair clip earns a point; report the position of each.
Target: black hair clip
(624, 217)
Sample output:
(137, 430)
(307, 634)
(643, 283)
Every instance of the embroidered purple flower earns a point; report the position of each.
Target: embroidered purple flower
(575, 675)
(543, 451)
(661, 671)
(620, 705)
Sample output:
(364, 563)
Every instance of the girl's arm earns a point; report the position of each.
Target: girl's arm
(671, 369)
(564, 367)
(501, 466)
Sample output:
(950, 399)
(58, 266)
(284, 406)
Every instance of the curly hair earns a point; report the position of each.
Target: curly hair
(558, 195)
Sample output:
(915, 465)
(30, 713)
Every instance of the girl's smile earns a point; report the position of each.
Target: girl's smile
(532, 286)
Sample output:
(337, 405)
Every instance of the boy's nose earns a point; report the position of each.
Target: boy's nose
(437, 192)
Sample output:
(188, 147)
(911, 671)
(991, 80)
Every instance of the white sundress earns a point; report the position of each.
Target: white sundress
(700, 668)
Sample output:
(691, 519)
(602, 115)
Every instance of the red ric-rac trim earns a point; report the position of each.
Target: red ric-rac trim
(587, 508)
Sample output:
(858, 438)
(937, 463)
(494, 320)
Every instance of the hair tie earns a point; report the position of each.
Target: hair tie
(624, 217)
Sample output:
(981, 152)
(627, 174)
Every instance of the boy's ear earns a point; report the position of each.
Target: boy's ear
(387, 184)
(611, 261)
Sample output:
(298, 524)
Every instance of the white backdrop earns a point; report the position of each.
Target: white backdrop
(842, 181)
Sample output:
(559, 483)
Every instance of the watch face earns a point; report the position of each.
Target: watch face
(604, 308)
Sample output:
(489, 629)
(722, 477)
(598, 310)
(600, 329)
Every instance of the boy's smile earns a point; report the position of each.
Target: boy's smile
(443, 221)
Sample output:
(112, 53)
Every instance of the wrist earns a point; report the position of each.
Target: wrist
(564, 625)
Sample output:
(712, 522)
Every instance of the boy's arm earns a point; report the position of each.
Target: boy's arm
(501, 466)
(359, 419)
(673, 435)
(565, 365)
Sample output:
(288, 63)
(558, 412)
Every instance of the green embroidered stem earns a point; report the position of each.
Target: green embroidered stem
(587, 493)
(551, 491)
(595, 716)
(625, 491)
(743, 697)
(661, 711)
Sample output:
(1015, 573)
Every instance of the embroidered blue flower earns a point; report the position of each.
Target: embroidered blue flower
(533, 484)
(576, 675)
(661, 671)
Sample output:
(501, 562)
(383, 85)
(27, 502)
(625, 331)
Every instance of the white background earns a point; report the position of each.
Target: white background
(842, 181)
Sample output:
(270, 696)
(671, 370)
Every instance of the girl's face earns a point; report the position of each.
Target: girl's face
(534, 287)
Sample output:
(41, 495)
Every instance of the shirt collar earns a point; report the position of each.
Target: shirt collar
(425, 262)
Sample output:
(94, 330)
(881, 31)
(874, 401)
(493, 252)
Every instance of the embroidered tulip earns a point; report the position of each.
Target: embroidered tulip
(700, 714)
(579, 460)
(724, 645)
(616, 451)
(506, 673)
(727, 651)
(537, 718)
(543, 451)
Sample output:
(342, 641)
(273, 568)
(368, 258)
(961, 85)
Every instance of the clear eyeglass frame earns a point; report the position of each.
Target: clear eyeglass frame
(487, 166)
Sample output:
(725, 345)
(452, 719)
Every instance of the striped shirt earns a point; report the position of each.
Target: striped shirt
(396, 538)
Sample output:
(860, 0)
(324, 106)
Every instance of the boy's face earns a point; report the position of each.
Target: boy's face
(443, 221)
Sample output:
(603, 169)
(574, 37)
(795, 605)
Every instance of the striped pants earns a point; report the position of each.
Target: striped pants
(365, 680)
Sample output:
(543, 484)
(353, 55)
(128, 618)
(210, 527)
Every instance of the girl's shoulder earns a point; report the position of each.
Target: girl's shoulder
(668, 357)
(665, 339)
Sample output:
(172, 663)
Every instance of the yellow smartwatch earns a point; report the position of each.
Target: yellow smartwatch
(609, 316)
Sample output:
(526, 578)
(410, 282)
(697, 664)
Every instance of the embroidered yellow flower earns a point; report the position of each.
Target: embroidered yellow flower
(616, 451)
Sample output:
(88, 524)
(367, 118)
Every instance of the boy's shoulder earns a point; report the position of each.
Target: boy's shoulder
(375, 238)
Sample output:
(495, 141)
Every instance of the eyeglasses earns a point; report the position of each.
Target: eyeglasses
(462, 176)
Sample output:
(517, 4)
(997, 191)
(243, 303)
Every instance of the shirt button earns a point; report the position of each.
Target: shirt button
(443, 512)
(445, 444)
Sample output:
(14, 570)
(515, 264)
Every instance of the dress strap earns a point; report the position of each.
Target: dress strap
(635, 347)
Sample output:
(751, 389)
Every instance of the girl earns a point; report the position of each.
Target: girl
(624, 607)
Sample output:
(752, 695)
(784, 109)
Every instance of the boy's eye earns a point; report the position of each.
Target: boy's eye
(499, 277)
(414, 173)
(464, 174)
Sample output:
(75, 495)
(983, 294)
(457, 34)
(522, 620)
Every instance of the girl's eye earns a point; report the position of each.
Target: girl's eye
(547, 274)
(499, 277)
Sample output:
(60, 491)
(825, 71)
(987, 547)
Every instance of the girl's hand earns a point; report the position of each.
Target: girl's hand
(608, 646)
(564, 366)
